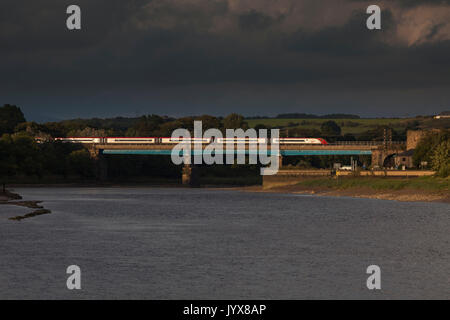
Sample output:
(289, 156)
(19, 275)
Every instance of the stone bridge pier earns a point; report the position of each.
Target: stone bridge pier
(190, 175)
(101, 166)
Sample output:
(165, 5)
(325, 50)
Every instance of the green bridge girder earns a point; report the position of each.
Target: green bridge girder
(163, 152)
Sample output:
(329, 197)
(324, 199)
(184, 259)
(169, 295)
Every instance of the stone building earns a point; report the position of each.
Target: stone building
(405, 159)
(413, 137)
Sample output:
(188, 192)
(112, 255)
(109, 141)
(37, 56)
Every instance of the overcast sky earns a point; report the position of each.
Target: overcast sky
(254, 57)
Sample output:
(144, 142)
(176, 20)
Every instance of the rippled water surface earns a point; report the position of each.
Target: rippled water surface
(213, 244)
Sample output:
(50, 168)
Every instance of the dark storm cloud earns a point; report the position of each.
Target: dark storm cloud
(413, 3)
(169, 56)
(409, 3)
(257, 21)
(40, 25)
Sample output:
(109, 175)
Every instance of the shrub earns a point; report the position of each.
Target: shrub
(440, 158)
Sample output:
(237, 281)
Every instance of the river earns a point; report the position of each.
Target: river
(175, 243)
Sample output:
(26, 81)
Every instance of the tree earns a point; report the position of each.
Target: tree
(234, 121)
(8, 165)
(10, 117)
(147, 126)
(209, 122)
(88, 132)
(167, 128)
(378, 134)
(81, 163)
(330, 128)
(55, 157)
(28, 156)
(440, 158)
(302, 133)
(33, 129)
(427, 145)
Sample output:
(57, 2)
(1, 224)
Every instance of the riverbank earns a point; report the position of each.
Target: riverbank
(204, 177)
(423, 189)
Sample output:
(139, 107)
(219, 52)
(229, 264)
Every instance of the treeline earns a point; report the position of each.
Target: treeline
(13, 121)
(22, 159)
(313, 116)
(145, 126)
(332, 132)
(21, 156)
(308, 116)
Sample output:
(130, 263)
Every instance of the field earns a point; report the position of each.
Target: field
(353, 126)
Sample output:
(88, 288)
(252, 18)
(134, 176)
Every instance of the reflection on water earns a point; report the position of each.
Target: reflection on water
(215, 244)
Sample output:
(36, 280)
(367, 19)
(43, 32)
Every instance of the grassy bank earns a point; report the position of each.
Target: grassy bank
(379, 183)
(423, 189)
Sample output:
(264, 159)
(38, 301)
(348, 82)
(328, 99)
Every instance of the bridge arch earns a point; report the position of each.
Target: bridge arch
(389, 160)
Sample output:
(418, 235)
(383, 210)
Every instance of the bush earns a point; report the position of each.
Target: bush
(10, 117)
(330, 128)
(427, 146)
(444, 171)
(81, 163)
(440, 159)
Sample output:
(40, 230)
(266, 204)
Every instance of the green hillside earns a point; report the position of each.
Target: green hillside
(349, 126)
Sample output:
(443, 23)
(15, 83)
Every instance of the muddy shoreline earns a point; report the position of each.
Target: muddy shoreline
(405, 195)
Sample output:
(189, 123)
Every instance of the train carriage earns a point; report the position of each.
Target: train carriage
(241, 140)
(80, 140)
(131, 140)
(173, 140)
(299, 141)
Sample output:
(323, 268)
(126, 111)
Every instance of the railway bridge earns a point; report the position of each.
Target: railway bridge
(379, 150)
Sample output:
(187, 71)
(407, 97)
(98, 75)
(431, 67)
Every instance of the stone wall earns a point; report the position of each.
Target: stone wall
(379, 155)
(190, 175)
(398, 173)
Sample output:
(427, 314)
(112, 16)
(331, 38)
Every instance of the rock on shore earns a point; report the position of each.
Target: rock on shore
(10, 198)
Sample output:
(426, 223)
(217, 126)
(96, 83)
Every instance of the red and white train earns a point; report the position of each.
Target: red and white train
(168, 140)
